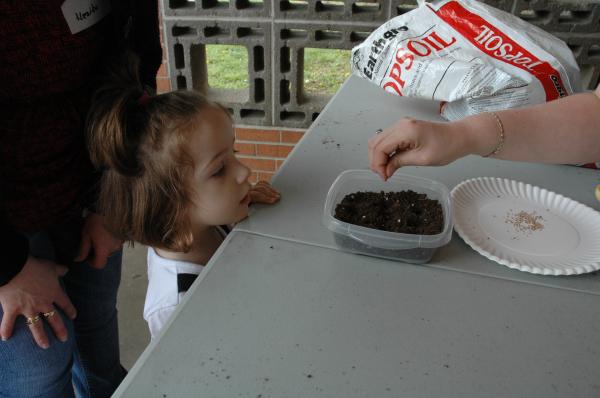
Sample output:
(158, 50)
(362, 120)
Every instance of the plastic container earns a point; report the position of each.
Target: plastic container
(409, 248)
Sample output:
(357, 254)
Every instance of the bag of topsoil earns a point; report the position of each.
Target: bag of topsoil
(471, 57)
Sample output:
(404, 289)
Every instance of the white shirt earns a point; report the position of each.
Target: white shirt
(163, 296)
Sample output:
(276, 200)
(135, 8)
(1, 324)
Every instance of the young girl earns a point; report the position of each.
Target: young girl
(171, 179)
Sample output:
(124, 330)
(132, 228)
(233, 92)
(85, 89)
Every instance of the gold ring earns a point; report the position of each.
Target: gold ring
(48, 314)
(31, 320)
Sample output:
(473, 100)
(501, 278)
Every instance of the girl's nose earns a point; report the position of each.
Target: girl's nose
(243, 173)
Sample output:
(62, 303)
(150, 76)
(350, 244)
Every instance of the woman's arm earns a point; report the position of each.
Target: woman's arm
(562, 131)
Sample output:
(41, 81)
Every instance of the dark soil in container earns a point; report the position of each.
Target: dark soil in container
(406, 212)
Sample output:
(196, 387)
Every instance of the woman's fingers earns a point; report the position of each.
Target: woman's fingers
(35, 322)
(406, 143)
(36, 326)
(33, 294)
(61, 299)
(56, 323)
(387, 148)
(377, 163)
(8, 323)
(394, 164)
(63, 302)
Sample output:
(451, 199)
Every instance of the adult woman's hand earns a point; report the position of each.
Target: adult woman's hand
(418, 143)
(32, 293)
(97, 243)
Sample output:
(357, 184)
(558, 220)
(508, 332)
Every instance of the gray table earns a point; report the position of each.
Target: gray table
(274, 318)
(337, 141)
(280, 311)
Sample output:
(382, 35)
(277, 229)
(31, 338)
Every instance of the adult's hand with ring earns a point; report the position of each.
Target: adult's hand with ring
(97, 243)
(415, 142)
(34, 291)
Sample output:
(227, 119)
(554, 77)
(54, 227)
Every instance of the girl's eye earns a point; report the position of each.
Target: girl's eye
(220, 171)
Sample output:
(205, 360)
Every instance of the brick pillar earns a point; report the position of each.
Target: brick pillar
(264, 150)
(163, 84)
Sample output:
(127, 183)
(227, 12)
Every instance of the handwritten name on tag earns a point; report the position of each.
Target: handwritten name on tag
(82, 14)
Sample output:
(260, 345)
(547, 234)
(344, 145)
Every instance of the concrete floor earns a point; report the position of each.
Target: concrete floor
(133, 332)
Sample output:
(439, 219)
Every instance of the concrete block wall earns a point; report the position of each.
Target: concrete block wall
(187, 56)
(273, 111)
(293, 106)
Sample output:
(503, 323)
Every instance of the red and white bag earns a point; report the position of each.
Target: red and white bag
(471, 57)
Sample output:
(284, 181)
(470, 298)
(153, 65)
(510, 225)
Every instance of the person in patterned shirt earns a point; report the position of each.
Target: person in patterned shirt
(60, 269)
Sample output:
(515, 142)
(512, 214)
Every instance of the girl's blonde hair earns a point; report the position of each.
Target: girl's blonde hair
(141, 143)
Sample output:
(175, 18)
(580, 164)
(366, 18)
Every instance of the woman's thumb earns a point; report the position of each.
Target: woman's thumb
(401, 158)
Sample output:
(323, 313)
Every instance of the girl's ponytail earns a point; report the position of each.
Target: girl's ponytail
(117, 119)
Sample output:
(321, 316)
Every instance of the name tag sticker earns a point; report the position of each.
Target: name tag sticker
(82, 14)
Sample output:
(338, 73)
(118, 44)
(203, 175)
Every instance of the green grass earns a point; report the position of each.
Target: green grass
(227, 66)
(324, 70)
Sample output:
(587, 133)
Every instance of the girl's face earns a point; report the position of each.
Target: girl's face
(220, 182)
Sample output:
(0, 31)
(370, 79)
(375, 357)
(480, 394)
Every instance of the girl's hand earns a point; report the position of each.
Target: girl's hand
(32, 292)
(415, 142)
(263, 192)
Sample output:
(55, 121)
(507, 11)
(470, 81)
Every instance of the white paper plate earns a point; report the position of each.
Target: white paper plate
(527, 227)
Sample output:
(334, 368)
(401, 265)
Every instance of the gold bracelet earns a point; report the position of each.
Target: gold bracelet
(500, 138)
